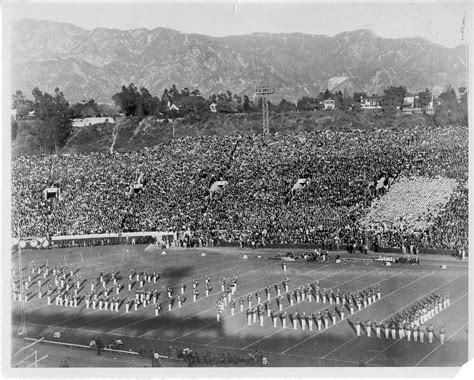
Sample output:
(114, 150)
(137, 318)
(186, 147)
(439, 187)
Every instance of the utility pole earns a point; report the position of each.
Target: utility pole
(263, 91)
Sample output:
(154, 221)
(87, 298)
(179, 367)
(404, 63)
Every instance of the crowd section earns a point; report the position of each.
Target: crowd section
(257, 205)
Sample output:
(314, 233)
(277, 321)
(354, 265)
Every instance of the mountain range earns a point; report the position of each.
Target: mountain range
(96, 63)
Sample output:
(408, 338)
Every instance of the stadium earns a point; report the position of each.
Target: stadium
(317, 249)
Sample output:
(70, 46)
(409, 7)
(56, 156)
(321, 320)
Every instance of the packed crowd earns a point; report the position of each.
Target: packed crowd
(257, 205)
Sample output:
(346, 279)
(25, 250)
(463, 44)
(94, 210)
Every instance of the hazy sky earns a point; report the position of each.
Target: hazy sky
(437, 21)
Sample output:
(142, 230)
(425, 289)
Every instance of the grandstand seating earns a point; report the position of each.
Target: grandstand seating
(257, 203)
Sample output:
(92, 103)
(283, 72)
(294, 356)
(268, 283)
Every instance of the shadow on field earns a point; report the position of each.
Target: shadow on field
(173, 275)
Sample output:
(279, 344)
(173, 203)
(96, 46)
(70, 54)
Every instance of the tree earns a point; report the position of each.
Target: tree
(127, 99)
(449, 109)
(307, 103)
(392, 99)
(247, 105)
(328, 95)
(22, 105)
(149, 103)
(106, 109)
(463, 96)
(134, 102)
(54, 116)
(285, 106)
(424, 98)
(85, 109)
(448, 97)
(358, 96)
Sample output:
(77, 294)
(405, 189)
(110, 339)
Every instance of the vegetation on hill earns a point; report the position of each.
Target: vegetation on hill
(43, 125)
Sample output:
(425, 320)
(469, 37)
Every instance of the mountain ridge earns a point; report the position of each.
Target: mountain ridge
(96, 63)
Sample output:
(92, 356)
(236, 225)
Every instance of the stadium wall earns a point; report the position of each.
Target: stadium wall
(425, 251)
(152, 236)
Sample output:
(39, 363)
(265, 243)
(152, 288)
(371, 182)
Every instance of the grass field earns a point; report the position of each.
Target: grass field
(195, 325)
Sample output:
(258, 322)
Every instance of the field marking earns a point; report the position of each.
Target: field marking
(238, 312)
(318, 332)
(391, 314)
(203, 347)
(439, 344)
(394, 313)
(289, 306)
(122, 313)
(93, 311)
(385, 296)
(186, 304)
(399, 340)
(83, 306)
(171, 261)
(97, 310)
(215, 322)
(154, 316)
(286, 355)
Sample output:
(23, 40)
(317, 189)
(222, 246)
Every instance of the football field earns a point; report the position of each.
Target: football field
(194, 325)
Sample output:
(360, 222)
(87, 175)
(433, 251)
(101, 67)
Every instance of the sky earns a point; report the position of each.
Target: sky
(437, 21)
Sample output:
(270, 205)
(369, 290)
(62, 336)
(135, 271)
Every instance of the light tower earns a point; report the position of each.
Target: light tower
(263, 91)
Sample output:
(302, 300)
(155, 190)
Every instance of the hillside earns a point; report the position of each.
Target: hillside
(133, 134)
(96, 63)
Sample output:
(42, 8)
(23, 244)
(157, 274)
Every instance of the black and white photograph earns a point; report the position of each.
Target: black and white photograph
(239, 187)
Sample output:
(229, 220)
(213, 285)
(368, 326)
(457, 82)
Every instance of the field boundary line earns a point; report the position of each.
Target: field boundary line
(318, 332)
(397, 311)
(385, 296)
(120, 313)
(439, 344)
(243, 327)
(66, 309)
(188, 304)
(238, 312)
(88, 347)
(85, 285)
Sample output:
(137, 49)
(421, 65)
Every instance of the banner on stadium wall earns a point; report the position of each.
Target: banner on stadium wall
(51, 192)
(135, 189)
(218, 186)
(300, 184)
(380, 183)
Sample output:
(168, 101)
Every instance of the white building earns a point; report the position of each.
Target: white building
(329, 104)
(79, 123)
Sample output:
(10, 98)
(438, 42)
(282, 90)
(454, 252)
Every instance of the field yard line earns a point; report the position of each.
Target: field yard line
(394, 313)
(439, 344)
(238, 312)
(186, 304)
(243, 312)
(398, 340)
(385, 296)
(177, 260)
(190, 292)
(273, 333)
(93, 311)
(199, 345)
(287, 355)
(106, 319)
(243, 327)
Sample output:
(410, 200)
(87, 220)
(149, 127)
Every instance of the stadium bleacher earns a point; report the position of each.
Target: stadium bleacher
(258, 204)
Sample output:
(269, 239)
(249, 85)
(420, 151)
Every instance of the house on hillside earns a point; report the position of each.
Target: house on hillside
(370, 102)
(213, 108)
(85, 122)
(411, 104)
(329, 104)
